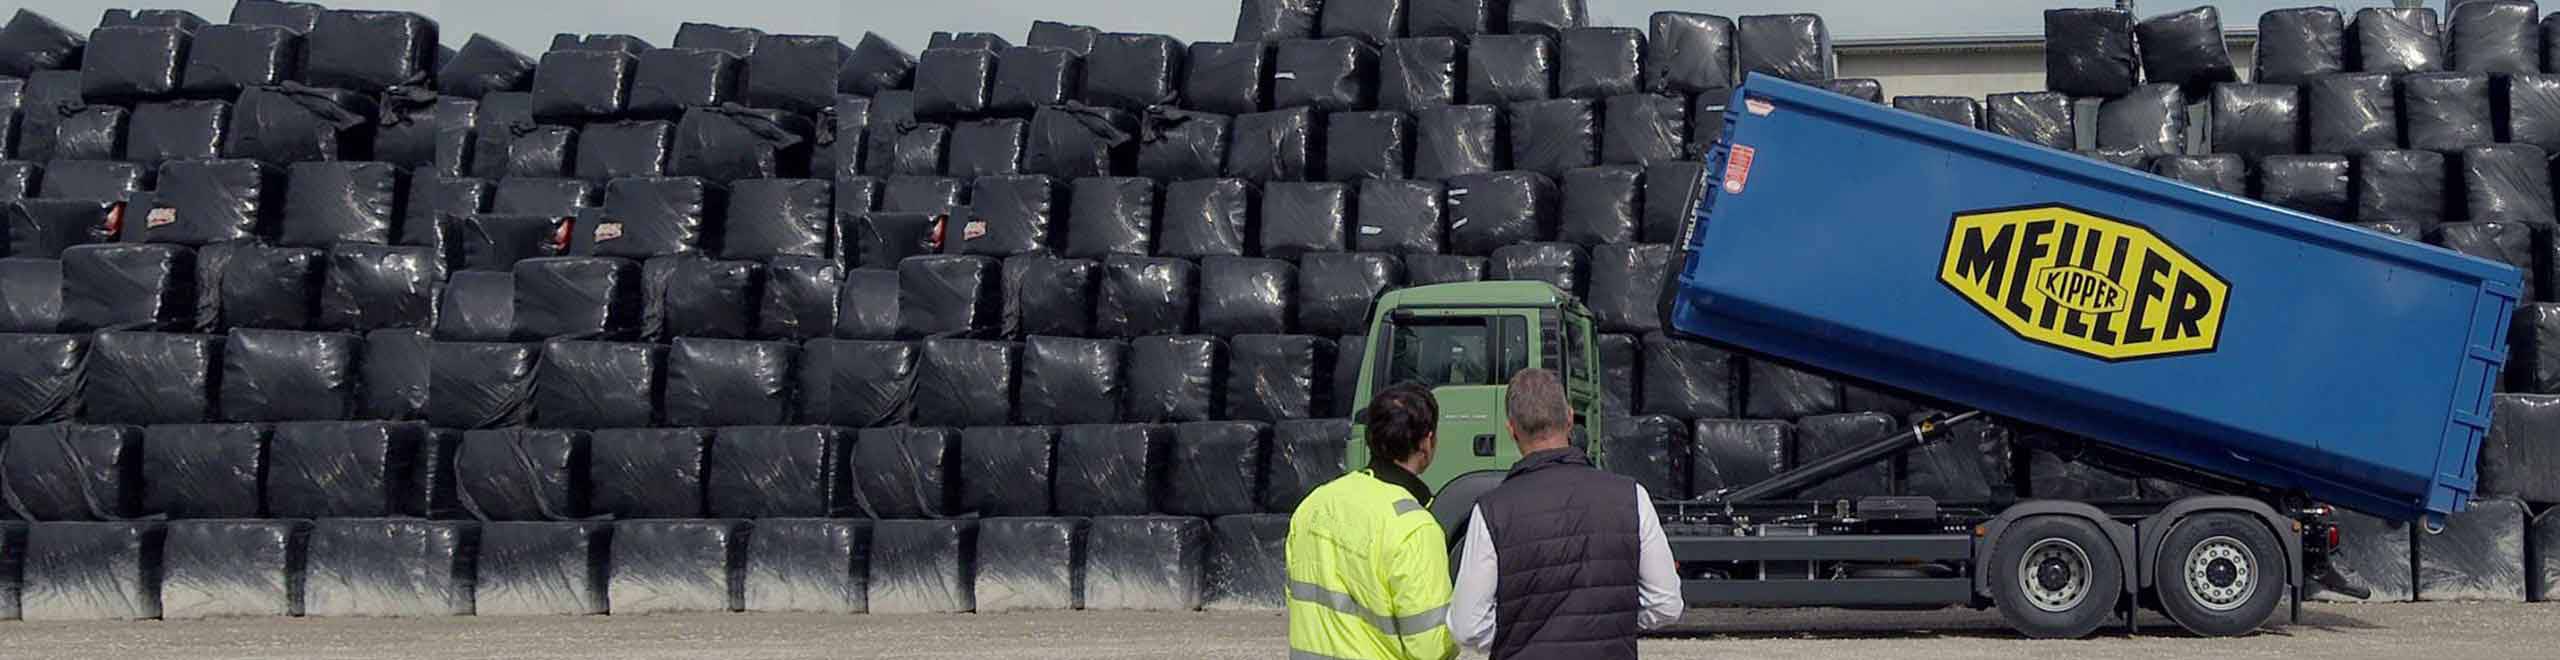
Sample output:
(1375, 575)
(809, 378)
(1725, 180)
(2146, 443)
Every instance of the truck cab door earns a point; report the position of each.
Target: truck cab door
(1465, 356)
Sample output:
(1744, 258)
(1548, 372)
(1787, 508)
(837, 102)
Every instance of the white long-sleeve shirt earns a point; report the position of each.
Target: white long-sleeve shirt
(1471, 605)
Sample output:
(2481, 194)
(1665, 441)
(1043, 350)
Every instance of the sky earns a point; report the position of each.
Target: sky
(528, 24)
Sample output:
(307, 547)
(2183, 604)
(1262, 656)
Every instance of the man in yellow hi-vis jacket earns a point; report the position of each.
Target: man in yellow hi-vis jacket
(1368, 566)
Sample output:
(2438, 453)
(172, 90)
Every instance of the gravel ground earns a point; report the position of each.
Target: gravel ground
(2435, 631)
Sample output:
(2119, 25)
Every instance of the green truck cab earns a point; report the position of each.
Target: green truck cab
(1465, 340)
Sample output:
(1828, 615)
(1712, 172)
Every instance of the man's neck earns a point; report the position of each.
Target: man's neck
(1548, 444)
(1412, 466)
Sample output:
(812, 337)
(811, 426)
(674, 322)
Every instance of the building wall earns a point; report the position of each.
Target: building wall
(1969, 74)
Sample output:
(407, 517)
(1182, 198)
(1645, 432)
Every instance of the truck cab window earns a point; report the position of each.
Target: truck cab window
(1458, 351)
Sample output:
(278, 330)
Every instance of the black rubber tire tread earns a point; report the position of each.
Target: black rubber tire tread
(2169, 586)
(2106, 578)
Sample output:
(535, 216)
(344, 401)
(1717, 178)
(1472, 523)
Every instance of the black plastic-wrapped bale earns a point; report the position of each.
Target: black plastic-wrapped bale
(2501, 36)
(948, 295)
(128, 62)
(670, 566)
(2224, 173)
(541, 569)
(801, 298)
(2510, 243)
(1400, 217)
(277, 376)
(1643, 129)
(794, 73)
(1328, 75)
(483, 66)
(1175, 144)
(954, 82)
(424, 132)
(1600, 62)
(1454, 141)
(912, 148)
(150, 378)
(666, 81)
(1005, 470)
(1175, 378)
(857, 383)
(1621, 374)
(343, 469)
(647, 473)
(657, 216)
(1336, 289)
(371, 287)
(18, 179)
(31, 42)
(1302, 217)
(1246, 567)
(1627, 285)
(815, 565)
(2318, 185)
(1049, 296)
(841, 143)
(2521, 449)
(1207, 217)
(175, 130)
(1671, 192)
(867, 304)
(1242, 295)
(1560, 264)
(1029, 564)
(712, 298)
(962, 383)
(391, 567)
(44, 228)
(1819, 437)
(1110, 469)
(1072, 381)
(1509, 68)
(941, 196)
(905, 472)
(2407, 231)
(1956, 110)
(394, 376)
(1732, 453)
(1011, 215)
(1599, 205)
(2295, 45)
(923, 566)
(1074, 141)
(1110, 216)
(730, 39)
(233, 568)
(731, 142)
(582, 84)
(2401, 186)
(43, 101)
(875, 66)
(726, 382)
(1458, 19)
(2388, 40)
(615, 150)
(1143, 296)
(2534, 365)
(1305, 453)
(1154, 563)
(578, 298)
(2530, 110)
(2185, 48)
(2446, 111)
(1689, 53)
(368, 51)
(2042, 118)
(528, 152)
(1776, 391)
(93, 133)
(2093, 53)
(1367, 145)
(1280, 145)
(778, 217)
(1491, 211)
(92, 571)
(1029, 77)
(1278, 377)
(2352, 113)
(1689, 380)
(1797, 47)
(30, 295)
(270, 287)
(1133, 71)
(41, 377)
(1653, 450)
(74, 472)
(1429, 269)
(1228, 78)
(2152, 118)
(2506, 183)
(2480, 556)
(1419, 73)
(597, 385)
(2374, 554)
(480, 385)
(1215, 468)
(983, 41)
(779, 472)
(2255, 121)
(1551, 136)
(1069, 37)
(1371, 21)
(341, 202)
(1273, 20)
(129, 286)
(522, 474)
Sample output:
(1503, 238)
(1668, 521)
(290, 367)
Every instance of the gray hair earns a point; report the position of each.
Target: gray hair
(1536, 404)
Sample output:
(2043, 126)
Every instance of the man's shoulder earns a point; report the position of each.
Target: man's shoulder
(1543, 483)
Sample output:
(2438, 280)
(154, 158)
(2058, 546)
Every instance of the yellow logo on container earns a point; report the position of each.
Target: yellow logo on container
(2084, 283)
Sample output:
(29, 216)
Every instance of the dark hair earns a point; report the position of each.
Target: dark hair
(1398, 418)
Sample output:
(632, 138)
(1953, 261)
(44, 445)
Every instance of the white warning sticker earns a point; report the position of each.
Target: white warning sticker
(161, 217)
(608, 231)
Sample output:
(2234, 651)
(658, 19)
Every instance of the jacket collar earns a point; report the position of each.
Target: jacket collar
(1388, 471)
(1547, 459)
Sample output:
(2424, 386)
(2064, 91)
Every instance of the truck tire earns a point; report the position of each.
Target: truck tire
(2056, 577)
(2219, 574)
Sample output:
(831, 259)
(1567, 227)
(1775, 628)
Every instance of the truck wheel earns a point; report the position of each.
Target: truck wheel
(2220, 574)
(2056, 577)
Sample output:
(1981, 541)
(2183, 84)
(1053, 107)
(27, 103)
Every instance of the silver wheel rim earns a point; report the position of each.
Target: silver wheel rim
(2221, 573)
(2054, 575)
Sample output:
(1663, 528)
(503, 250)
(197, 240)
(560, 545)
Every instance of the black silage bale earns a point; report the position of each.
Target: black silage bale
(1049, 296)
(43, 228)
(1653, 450)
(92, 180)
(370, 287)
(1276, 377)
(616, 150)
(2535, 337)
(1600, 62)
(1551, 136)
(211, 201)
(271, 287)
(1146, 563)
(393, 378)
(1329, 75)
(1074, 141)
(1628, 284)
(1419, 73)
(610, 42)
(727, 382)
(841, 139)
(952, 295)
(2151, 118)
(778, 472)
(31, 42)
(1133, 71)
(1452, 141)
(2390, 40)
(73, 472)
(666, 81)
(2185, 48)
(942, 196)
(1505, 69)
(739, 41)
(2295, 45)
(859, 384)
(1599, 205)
(1142, 296)
(795, 73)
(597, 385)
(881, 240)
(1458, 19)
(2503, 36)
(2506, 183)
(131, 62)
(2510, 243)
(1302, 217)
(1108, 216)
(522, 474)
(531, 151)
(1011, 215)
(368, 51)
(1690, 53)
(343, 469)
(912, 149)
(731, 142)
(2094, 53)
(2530, 110)
(677, 566)
(1215, 468)
(1028, 77)
(1026, 564)
(1281, 145)
(477, 306)
(91, 571)
(2480, 556)
(541, 568)
(923, 566)
(954, 82)
(328, 202)
(1177, 144)
(474, 385)
(175, 130)
(582, 84)
(876, 65)
(1335, 290)
(1305, 453)
(801, 298)
(2401, 186)
(1371, 21)
(1006, 470)
(1241, 295)
(657, 216)
(1490, 211)
(1207, 217)
(1642, 129)
(2521, 450)
(1070, 37)
(1400, 217)
(483, 66)
(1067, 380)
(204, 470)
(962, 382)
(2318, 185)
(2040, 118)
(1560, 264)
(1228, 78)
(647, 473)
(284, 376)
(2255, 121)
(779, 217)
(2224, 173)
(1791, 46)
(867, 304)
(424, 132)
(2446, 112)
(127, 286)
(578, 298)
(712, 298)
(1367, 145)
(1110, 469)
(1429, 269)
(30, 295)
(1956, 110)
(1273, 20)
(1175, 378)
(1689, 380)
(2352, 113)
(1729, 453)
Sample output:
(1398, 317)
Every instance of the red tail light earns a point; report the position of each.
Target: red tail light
(2333, 536)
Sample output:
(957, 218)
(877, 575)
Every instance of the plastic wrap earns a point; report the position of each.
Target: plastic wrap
(133, 61)
(1207, 217)
(378, 567)
(36, 115)
(666, 81)
(948, 295)
(2543, 573)
(980, 41)
(2531, 110)
(656, 216)
(1273, 20)
(479, 385)
(905, 472)
(2521, 451)
(368, 51)
(2504, 36)
(2533, 366)
(1821, 436)
(1459, 19)
(2152, 118)
(1228, 78)
(1216, 468)
(1278, 377)
(2255, 121)
(542, 569)
(1488, 212)
(1367, 145)
(1600, 205)
(724, 382)
(779, 472)
(1069, 37)
(2317, 185)
(1653, 450)
(1299, 218)
(1305, 453)
(923, 566)
(2042, 118)
(270, 287)
(578, 298)
(801, 298)
(1600, 62)
(1671, 192)
(1419, 73)
(1110, 216)
(17, 178)
(1689, 380)
(2052, 476)
(2093, 53)
(740, 41)
(963, 383)
(1104, 470)
(2295, 45)
(582, 84)
(129, 286)
(1400, 217)
(421, 131)
(2374, 554)
(731, 142)
(615, 150)
(2506, 183)
(778, 217)
(598, 385)
(881, 240)
(2447, 111)
(370, 287)
(2401, 186)
(1175, 378)
(343, 469)
(74, 472)
(1621, 374)
(2224, 173)
(1335, 290)
(1456, 141)
(2510, 243)
(1628, 284)
(1246, 567)
(393, 376)
(1328, 75)
(1639, 129)
(1732, 453)
(2352, 113)
(873, 66)
(1034, 76)
(1956, 110)
(1011, 215)
(1551, 136)
(1180, 144)
(1005, 471)
(1073, 141)
(1155, 563)
(2185, 48)
(708, 298)
(1048, 296)
(1798, 47)
(857, 383)
(1429, 269)
(1506, 69)
(1690, 53)
(647, 473)
(1030, 564)
(798, 73)
(925, 194)
(276, 376)
(1142, 296)
(290, 123)
(521, 474)
(1776, 391)
(93, 133)
(2407, 231)
(31, 42)
(1560, 264)
(1240, 295)
(44, 228)
(175, 130)
(809, 565)
(867, 304)
(233, 568)
(2398, 40)
(953, 82)
(669, 566)
(2480, 556)
(1275, 146)
(1133, 71)
(484, 66)
(336, 202)
(429, 216)
(30, 295)
(1371, 21)
(92, 571)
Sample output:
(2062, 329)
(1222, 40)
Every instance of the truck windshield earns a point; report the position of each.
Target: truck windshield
(1483, 350)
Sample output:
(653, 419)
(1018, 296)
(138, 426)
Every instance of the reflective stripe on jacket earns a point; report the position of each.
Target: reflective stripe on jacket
(1368, 575)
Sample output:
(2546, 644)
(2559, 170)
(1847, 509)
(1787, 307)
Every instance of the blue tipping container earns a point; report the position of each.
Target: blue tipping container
(2211, 331)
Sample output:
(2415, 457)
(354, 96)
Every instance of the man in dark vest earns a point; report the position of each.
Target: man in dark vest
(1562, 560)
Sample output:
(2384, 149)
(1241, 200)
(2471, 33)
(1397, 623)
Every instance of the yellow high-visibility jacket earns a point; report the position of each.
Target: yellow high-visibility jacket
(1368, 575)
